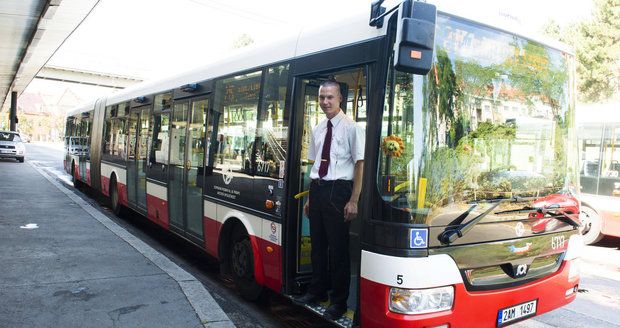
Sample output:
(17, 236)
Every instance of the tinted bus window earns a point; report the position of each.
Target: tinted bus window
(236, 105)
(271, 146)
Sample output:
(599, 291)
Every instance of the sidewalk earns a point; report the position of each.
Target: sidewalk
(65, 264)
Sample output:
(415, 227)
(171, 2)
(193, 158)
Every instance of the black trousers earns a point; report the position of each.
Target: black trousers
(330, 235)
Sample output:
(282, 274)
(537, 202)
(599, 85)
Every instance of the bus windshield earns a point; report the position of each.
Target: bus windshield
(492, 120)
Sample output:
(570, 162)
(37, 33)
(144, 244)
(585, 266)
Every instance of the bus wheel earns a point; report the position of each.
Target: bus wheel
(242, 265)
(76, 182)
(115, 205)
(590, 225)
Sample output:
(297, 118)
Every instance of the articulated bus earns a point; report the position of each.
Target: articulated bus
(468, 215)
(599, 136)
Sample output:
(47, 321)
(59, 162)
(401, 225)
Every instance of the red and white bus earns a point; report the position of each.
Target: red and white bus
(468, 216)
(599, 146)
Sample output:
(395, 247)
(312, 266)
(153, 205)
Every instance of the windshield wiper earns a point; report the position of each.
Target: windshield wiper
(553, 211)
(563, 217)
(451, 234)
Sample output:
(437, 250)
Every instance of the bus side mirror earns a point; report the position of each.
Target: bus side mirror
(415, 37)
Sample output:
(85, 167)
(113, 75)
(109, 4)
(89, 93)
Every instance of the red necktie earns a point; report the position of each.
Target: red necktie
(326, 148)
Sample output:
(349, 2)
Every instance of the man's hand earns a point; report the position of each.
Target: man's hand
(350, 211)
(307, 208)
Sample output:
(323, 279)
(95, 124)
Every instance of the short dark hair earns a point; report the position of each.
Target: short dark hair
(331, 82)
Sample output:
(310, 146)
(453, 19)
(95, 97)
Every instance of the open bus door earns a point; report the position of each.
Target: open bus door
(353, 90)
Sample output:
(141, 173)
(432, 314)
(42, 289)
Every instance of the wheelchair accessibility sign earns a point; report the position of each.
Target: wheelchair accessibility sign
(418, 238)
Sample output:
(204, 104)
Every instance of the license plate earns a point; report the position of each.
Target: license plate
(513, 313)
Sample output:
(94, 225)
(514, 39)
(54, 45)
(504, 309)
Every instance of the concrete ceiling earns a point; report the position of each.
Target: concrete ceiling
(30, 33)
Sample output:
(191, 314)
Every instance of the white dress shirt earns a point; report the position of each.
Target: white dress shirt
(346, 149)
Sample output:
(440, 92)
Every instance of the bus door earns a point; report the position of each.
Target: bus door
(83, 146)
(353, 89)
(132, 132)
(138, 131)
(186, 175)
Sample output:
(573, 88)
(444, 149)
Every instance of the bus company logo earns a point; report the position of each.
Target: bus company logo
(227, 175)
(520, 270)
(519, 229)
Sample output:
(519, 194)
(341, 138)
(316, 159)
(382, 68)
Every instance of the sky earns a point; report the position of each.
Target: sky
(151, 38)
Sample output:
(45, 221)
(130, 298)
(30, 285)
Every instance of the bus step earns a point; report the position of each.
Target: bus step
(345, 321)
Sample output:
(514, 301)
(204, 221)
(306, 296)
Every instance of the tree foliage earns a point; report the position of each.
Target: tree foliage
(597, 48)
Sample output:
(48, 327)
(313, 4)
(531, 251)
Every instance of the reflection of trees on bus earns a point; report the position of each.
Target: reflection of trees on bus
(496, 125)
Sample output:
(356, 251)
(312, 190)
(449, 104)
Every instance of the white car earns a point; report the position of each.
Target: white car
(11, 146)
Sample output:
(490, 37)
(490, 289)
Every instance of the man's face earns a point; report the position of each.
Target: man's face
(329, 100)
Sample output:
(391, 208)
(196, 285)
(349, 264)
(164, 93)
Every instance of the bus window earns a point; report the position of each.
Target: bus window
(69, 127)
(162, 102)
(236, 105)
(114, 143)
(609, 181)
(271, 143)
(158, 155)
(464, 143)
(178, 131)
(590, 145)
(397, 141)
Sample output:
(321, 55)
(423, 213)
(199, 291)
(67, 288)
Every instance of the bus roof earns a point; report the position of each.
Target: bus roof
(300, 43)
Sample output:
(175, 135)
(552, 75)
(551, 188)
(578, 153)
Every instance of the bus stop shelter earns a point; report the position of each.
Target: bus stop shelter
(31, 31)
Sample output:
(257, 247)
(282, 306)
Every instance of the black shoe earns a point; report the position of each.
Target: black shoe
(335, 311)
(309, 299)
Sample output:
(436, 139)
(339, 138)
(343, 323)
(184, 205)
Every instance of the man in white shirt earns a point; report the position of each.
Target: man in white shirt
(337, 149)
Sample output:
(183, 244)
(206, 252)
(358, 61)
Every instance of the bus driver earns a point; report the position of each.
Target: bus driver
(337, 149)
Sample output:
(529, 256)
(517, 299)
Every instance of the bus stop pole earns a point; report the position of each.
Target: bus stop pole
(13, 113)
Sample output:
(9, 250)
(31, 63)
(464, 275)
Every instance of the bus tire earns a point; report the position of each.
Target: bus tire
(590, 225)
(241, 261)
(115, 204)
(76, 183)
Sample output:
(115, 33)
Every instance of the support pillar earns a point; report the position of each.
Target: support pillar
(13, 113)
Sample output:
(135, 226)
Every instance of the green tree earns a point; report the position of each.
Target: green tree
(597, 48)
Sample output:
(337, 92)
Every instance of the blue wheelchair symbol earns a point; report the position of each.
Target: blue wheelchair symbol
(418, 238)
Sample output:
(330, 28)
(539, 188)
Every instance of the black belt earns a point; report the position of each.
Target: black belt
(321, 182)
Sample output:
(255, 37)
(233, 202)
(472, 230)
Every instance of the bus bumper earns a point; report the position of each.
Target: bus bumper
(471, 309)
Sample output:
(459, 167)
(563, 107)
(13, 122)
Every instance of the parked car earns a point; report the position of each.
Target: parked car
(11, 146)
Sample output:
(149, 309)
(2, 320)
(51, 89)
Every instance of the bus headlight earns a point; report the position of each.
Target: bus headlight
(418, 301)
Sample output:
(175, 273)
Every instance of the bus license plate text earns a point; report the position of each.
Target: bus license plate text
(516, 312)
